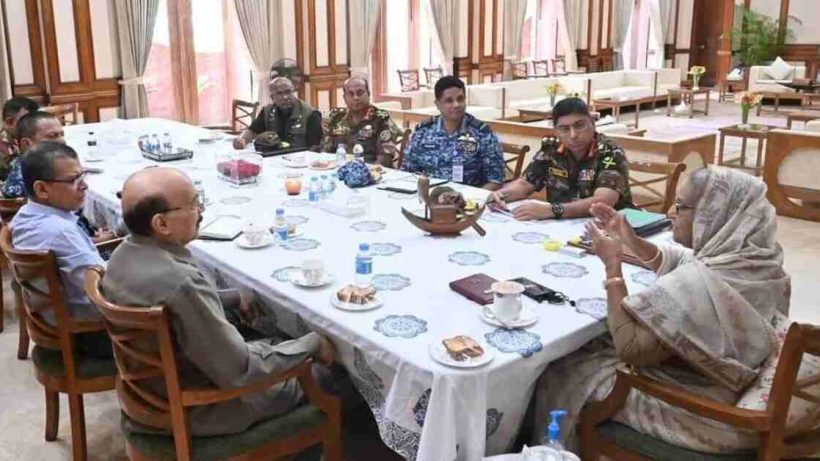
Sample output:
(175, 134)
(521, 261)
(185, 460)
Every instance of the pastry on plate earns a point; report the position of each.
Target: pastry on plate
(356, 295)
(462, 347)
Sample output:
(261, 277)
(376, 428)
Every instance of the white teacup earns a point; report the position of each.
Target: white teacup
(254, 232)
(507, 304)
(313, 270)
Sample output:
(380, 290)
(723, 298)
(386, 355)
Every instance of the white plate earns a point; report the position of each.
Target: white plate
(297, 165)
(330, 166)
(93, 159)
(242, 242)
(528, 317)
(378, 302)
(439, 353)
(299, 280)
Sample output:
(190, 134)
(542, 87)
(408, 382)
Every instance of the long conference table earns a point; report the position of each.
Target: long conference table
(425, 410)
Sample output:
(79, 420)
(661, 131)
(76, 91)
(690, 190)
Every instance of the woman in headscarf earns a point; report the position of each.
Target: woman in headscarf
(706, 325)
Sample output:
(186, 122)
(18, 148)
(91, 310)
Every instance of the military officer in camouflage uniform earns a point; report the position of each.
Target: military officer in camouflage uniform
(455, 145)
(295, 121)
(362, 123)
(578, 168)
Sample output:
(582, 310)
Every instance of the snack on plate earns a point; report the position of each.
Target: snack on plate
(356, 295)
(470, 205)
(376, 168)
(323, 164)
(462, 347)
(291, 229)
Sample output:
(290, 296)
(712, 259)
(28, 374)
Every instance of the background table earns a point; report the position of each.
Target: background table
(751, 131)
(424, 410)
(688, 96)
(616, 104)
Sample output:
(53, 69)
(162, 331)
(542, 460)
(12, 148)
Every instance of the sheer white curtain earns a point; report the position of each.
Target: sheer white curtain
(660, 12)
(570, 15)
(135, 26)
(514, 13)
(364, 20)
(5, 76)
(261, 24)
(444, 17)
(620, 30)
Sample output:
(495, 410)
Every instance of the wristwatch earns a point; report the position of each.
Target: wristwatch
(557, 210)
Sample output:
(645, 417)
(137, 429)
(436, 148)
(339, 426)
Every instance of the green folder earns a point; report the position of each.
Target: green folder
(639, 219)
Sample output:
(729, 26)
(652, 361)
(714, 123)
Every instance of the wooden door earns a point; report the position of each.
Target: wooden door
(710, 19)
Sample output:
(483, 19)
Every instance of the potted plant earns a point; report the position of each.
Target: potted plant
(755, 41)
(696, 72)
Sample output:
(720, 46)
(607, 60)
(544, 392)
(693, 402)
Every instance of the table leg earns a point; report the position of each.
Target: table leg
(743, 152)
(691, 105)
(758, 107)
(720, 149)
(706, 112)
(789, 123)
(637, 114)
(776, 103)
(617, 112)
(760, 142)
(668, 104)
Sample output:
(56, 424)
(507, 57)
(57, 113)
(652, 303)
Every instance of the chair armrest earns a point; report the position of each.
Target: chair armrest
(109, 245)
(747, 419)
(85, 326)
(207, 396)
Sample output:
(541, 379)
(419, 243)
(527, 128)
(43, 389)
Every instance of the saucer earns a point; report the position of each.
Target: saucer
(93, 159)
(298, 279)
(242, 242)
(527, 318)
(439, 353)
(329, 166)
(353, 307)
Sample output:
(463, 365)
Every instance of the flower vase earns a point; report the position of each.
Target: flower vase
(552, 100)
(744, 116)
(696, 82)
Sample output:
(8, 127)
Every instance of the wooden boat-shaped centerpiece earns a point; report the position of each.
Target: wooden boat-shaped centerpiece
(445, 211)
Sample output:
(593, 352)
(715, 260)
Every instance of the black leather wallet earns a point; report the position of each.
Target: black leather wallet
(540, 293)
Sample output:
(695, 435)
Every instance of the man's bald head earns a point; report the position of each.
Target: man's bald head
(356, 94)
(149, 192)
(282, 92)
(356, 81)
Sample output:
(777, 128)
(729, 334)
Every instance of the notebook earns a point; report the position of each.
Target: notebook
(224, 227)
(646, 223)
(474, 288)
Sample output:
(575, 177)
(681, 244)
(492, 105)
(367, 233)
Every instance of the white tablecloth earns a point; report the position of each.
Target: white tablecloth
(424, 410)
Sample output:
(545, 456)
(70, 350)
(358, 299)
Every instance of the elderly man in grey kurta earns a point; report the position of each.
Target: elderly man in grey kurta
(153, 267)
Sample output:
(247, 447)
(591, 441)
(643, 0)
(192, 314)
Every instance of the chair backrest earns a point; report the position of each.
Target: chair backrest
(242, 115)
(9, 207)
(144, 353)
(520, 70)
(540, 68)
(409, 80)
(662, 172)
(68, 114)
(559, 66)
(790, 173)
(403, 142)
(41, 292)
(514, 155)
(432, 74)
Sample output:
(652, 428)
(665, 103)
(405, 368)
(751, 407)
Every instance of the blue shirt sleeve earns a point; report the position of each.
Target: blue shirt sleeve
(409, 161)
(13, 187)
(493, 160)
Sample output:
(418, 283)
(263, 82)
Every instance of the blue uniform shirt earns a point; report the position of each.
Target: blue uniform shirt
(14, 187)
(432, 152)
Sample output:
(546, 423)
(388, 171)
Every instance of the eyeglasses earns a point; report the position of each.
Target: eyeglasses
(196, 204)
(681, 206)
(74, 181)
(579, 126)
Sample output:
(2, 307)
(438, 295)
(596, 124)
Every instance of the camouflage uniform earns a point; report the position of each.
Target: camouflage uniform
(9, 150)
(432, 152)
(376, 133)
(567, 179)
(302, 128)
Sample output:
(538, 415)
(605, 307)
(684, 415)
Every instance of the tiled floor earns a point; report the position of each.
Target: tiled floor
(21, 397)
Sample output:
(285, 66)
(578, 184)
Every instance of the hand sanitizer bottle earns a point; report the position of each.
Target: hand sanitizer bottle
(553, 435)
(341, 155)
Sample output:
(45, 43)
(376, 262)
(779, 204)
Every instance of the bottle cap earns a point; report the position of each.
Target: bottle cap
(554, 429)
(280, 211)
(364, 247)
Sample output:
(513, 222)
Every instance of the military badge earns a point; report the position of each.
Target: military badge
(608, 161)
(366, 132)
(467, 144)
(384, 135)
(586, 175)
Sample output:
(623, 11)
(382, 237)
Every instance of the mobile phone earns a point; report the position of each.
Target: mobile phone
(539, 293)
(399, 190)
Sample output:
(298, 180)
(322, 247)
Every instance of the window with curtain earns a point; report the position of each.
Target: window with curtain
(540, 35)
(409, 27)
(223, 65)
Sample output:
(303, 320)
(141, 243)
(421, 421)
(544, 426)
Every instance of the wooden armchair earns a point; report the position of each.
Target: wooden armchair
(9, 208)
(57, 364)
(790, 173)
(514, 155)
(559, 66)
(649, 198)
(409, 80)
(601, 436)
(143, 349)
(68, 114)
(540, 68)
(432, 74)
(403, 141)
(242, 115)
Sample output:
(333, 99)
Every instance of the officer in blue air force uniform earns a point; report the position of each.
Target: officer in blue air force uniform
(455, 145)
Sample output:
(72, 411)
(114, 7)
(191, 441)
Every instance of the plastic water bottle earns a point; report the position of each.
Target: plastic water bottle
(330, 185)
(553, 438)
(358, 152)
(167, 146)
(341, 155)
(325, 186)
(280, 226)
(92, 145)
(200, 192)
(315, 190)
(155, 146)
(364, 265)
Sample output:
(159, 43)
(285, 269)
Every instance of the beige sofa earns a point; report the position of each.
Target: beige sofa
(411, 99)
(667, 79)
(760, 81)
(622, 84)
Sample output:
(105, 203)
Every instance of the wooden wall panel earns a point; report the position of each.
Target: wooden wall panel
(324, 77)
(35, 85)
(490, 65)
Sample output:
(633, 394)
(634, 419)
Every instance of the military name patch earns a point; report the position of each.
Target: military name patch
(558, 172)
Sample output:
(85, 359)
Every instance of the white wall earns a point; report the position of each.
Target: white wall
(802, 20)
(105, 39)
(19, 45)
